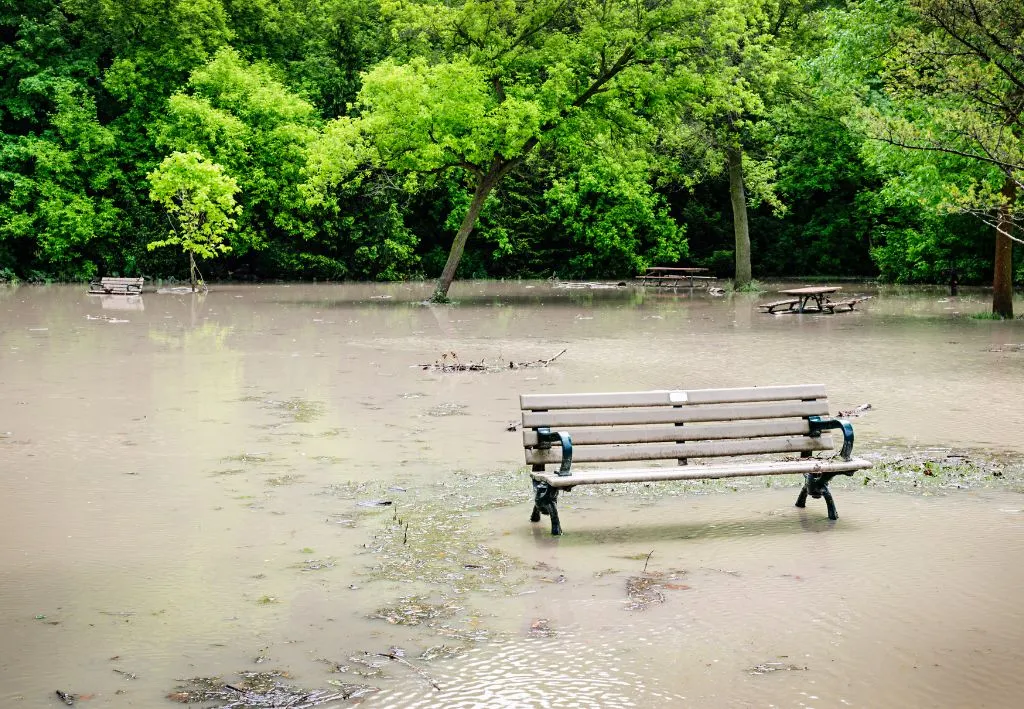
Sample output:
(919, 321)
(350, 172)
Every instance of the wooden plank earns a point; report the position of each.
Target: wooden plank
(697, 432)
(778, 304)
(702, 472)
(668, 397)
(702, 449)
(681, 414)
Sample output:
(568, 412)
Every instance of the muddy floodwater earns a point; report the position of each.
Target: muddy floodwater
(275, 479)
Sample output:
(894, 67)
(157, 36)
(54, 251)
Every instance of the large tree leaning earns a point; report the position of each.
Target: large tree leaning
(488, 177)
(483, 84)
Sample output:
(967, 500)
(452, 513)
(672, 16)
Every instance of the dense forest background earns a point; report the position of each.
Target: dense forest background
(860, 149)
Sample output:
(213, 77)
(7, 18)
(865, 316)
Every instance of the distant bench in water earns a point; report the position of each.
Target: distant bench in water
(116, 286)
(680, 426)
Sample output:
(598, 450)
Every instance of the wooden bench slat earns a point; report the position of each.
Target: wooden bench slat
(117, 286)
(703, 472)
(682, 414)
(670, 397)
(697, 432)
(702, 449)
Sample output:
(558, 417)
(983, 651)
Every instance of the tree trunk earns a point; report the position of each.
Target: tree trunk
(484, 186)
(739, 217)
(1002, 277)
(192, 271)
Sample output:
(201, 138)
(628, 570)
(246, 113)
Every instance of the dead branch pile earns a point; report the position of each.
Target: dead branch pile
(449, 362)
(262, 690)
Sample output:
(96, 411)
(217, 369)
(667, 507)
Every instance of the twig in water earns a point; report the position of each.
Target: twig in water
(414, 668)
(648, 560)
(537, 362)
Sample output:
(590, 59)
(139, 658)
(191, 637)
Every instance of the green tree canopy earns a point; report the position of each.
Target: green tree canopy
(480, 85)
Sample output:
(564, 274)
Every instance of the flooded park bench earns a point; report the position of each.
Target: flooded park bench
(116, 286)
(565, 430)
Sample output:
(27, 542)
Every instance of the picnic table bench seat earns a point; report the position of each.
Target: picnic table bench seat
(116, 286)
(566, 430)
(772, 307)
(833, 305)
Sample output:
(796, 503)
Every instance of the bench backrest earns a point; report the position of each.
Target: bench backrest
(675, 424)
(122, 281)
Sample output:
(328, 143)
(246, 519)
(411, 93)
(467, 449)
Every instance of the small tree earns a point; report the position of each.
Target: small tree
(200, 201)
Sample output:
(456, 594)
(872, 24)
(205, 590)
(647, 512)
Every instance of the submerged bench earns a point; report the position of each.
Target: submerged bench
(566, 430)
(116, 286)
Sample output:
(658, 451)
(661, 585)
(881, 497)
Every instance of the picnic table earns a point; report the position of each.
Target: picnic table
(673, 276)
(819, 294)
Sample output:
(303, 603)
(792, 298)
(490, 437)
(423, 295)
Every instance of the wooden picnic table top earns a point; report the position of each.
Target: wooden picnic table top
(672, 269)
(811, 290)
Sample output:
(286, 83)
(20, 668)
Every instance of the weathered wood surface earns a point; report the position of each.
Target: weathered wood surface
(116, 286)
(832, 306)
(702, 449)
(666, 434)
(681, 414)
(771, 307)
(811, 290)
(670, 397)
(701, 472)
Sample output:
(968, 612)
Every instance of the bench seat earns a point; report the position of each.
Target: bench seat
(731, 426)
(771, 307)
(833, 305)
(702, 472)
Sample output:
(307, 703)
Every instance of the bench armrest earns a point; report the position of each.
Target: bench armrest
(821, 423)
(545, 437)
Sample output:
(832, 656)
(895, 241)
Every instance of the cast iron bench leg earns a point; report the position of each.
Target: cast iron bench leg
(546, 500)
(817, 486)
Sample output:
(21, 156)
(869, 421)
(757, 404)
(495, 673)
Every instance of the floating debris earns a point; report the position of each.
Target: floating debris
(449, 362)
(541, 628)
(441, 652)
(261, 690)
(855, 412)
(398, 655)
(646, 590)
(414, 610)
(448, 408)
(769, 667)
(335, 667)
(351, 690)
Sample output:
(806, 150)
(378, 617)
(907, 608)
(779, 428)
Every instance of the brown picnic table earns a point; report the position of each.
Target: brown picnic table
(674, 276)
(801, 297)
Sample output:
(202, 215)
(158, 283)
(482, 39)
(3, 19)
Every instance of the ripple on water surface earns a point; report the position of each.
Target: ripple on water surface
(566, 671)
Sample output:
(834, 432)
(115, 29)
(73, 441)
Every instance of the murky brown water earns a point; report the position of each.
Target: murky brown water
(180, 489)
